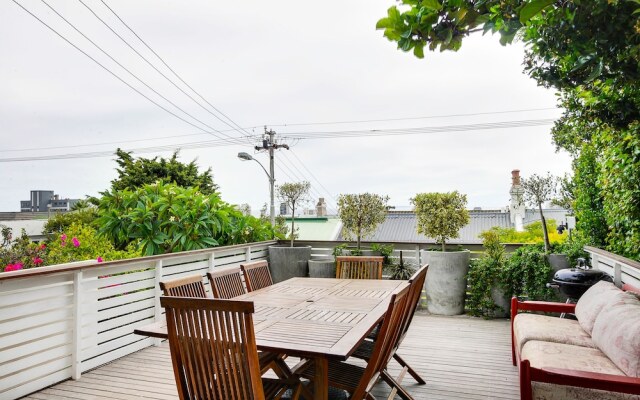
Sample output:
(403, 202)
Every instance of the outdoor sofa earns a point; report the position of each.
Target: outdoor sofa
(596, 356)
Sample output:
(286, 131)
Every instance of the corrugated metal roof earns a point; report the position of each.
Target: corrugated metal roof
(401, 226)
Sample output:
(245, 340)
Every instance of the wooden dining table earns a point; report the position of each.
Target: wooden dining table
(317, 318)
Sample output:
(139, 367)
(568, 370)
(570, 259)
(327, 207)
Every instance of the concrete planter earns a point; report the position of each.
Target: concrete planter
(322, 268)
(287, 262)
(502, 300)
(558, 261)
(446, 283)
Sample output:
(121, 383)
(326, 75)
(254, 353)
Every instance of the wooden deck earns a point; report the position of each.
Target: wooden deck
(459, 357)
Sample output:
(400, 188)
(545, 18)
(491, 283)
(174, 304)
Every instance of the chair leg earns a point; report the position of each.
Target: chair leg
(395, 385)
(411, 371)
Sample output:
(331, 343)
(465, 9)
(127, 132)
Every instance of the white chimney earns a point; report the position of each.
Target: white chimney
(517, 208)
(321, 208)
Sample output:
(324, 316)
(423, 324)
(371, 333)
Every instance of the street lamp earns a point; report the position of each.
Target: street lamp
(247, 157)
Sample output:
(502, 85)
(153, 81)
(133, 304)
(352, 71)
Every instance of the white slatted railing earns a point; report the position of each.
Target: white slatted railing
(59, 321)
(623, 270)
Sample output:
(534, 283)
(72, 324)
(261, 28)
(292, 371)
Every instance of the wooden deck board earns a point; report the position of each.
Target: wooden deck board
(459, 357)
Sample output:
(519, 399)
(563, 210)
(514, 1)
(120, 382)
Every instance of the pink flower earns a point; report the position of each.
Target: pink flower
(99, 259)
(76, 242)
(63, 237)
(13, 267)
(43, 246)
(38, 261)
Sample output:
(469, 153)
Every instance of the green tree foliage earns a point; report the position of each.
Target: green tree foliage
(590, 52)
(293, 194)
(164, 218)
(527, 273)
(620, 182)
(134, 173)
(532, 233)
(60, 222)
(361, 214)
(441, 215)
(589, 203)
(537, 190)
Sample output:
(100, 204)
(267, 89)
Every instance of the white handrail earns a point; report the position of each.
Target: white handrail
(623, 270)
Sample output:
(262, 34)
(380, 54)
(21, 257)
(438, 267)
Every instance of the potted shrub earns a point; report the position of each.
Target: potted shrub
(489, 294)
(440, 216)
(360, 215)
(288, 261)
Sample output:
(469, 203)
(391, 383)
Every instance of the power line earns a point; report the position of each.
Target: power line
(108, 153)
(313, 176)
(420, 130)
(318, 193)
(129, 71)
(109, 71)
(414, 118)
(150, 63)
(172, 70)
(391, 132)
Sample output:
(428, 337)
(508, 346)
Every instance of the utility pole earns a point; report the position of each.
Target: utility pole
(269, 144)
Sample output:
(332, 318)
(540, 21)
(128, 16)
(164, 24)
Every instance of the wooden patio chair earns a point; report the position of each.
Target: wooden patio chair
(357, 380)
(357, 267)
(366, 348)
(214, 353)
(189, 286)
(226, 284)
(256, 275)
(192, 286)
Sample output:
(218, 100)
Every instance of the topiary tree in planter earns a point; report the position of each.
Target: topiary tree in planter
(440, 216)
(361, 214)
(294, 194)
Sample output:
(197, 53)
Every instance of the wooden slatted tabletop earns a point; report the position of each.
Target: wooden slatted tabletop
(316, 318)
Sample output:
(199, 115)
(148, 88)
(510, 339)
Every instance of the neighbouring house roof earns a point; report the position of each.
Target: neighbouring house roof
(401, 226)
(33, 228)
(317, 228)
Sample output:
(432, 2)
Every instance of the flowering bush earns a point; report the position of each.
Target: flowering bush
(20, 253)
(82, 242)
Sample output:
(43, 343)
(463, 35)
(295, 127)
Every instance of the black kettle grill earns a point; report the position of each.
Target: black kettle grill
(573, 282)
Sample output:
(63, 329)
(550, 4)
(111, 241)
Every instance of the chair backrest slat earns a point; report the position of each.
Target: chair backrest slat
(213, 348)
(384, 346)
(189, 286)
(415, 292)
(226, 284)
(256, 275)
(357, 267)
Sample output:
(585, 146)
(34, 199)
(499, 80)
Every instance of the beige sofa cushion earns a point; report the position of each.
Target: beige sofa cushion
(557, 355)
(528, 327)
(617, 334)
(549, 391)
(593, 301)
(565, 356)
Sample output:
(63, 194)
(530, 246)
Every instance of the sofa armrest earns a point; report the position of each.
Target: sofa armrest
(544, 306)
(592, 380)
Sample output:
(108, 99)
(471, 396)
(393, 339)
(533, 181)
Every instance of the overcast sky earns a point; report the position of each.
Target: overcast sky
(274, 63)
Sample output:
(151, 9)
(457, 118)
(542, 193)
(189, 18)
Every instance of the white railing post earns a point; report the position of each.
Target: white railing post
(617, 274)
(76, 358)
(595, 262)
(247, 254)
(418, 259)
(157, 308)
(211, 261)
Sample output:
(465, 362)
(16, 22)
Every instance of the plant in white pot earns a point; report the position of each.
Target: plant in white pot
(288, 261)
(360, 215)
(440, 216)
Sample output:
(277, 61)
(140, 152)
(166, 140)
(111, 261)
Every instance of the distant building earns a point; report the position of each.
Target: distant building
(46, 200)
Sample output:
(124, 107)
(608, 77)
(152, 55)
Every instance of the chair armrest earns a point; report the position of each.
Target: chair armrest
(591, 380)
(544, 306)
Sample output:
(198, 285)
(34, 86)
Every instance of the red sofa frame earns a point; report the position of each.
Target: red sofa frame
(558, 376)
